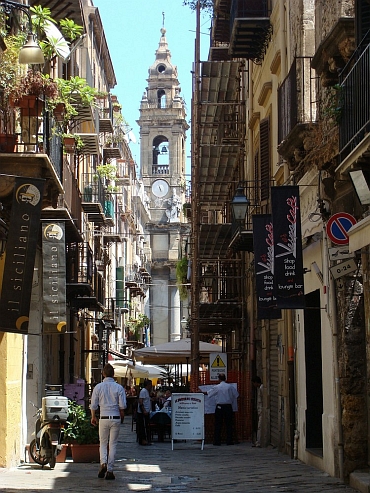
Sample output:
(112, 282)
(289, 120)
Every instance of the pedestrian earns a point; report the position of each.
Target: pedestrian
(224, 394)
(110, 397)
(167, 402)
(143, 414)
(257, 384)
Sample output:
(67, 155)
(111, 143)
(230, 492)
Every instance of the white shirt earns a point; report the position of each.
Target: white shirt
(145, 396)
(224, 393)
(109, 396)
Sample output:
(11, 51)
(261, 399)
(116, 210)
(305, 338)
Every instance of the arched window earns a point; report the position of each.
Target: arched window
(161, 97)
(161, 155)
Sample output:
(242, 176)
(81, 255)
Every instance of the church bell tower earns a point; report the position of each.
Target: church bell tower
(163, 129)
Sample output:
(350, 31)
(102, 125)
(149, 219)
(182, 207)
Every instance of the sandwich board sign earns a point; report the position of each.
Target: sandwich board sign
(187, 417)
(217, 364)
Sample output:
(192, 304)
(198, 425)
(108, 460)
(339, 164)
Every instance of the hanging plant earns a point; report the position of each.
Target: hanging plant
(135, 325)
(181, 277)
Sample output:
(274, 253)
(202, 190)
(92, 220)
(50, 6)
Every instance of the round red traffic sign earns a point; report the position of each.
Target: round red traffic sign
(338, 226)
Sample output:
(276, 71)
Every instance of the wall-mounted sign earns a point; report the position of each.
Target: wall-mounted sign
(338, 226)
(217, 365)
(343, 268)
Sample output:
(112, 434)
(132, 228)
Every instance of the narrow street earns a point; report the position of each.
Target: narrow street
(238, 469)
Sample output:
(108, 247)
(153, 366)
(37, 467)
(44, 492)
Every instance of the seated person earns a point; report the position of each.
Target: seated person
(167, 402)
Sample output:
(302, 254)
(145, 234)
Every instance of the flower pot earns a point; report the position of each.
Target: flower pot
(69, 144)
(27, 102)
(85, 453)
(8, 142)
(59, 112)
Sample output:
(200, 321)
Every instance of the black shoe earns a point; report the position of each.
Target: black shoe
(102, 471)
(110, 475)
(217, 444)
(230, 443)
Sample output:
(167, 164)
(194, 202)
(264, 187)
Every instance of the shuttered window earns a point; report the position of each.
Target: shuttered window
(265, 158)
(362, 21)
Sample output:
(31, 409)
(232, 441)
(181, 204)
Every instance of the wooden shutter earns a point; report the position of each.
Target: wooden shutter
(265, 158)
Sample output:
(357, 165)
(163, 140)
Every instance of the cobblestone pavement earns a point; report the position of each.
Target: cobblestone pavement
(157, 468)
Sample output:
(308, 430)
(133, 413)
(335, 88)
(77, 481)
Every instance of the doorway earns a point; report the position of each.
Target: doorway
(313, 360)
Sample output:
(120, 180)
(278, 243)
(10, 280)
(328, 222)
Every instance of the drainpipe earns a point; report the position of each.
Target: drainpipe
(331, 309)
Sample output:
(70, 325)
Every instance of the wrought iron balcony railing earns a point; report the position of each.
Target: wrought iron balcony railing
(354, 101)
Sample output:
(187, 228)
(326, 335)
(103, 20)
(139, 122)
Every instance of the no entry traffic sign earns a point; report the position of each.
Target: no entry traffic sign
(338, 226)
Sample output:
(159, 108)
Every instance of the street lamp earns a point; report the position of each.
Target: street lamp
(361, 183)
(239, 206)
(184, 325)
(30, 52)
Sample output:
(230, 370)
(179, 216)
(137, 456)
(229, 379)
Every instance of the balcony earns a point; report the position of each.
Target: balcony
(81, 278)
(35, 152)
(93, 197)
(297, 110)
(68, 208)
(113, 150)
(355, 106)
(220, 296)
(250, 28)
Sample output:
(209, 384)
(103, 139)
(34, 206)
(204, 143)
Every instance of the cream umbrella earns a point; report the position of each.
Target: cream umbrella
(173, 352)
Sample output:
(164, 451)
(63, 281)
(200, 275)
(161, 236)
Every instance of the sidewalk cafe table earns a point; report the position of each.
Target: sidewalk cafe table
(161, 421)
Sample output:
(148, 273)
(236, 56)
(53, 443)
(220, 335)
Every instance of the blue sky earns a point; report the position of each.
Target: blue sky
(132, 31)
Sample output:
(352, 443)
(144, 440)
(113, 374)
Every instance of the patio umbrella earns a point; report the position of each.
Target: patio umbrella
(173, 352)
(124, 368)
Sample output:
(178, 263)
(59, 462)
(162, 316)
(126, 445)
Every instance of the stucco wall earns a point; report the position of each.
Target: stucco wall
(10, 403)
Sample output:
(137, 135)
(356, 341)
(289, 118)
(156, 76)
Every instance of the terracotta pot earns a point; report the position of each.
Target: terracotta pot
(85, 453)
(59, 111)
(8, 142)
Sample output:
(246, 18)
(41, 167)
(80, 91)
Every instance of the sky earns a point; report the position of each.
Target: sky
(132, 30)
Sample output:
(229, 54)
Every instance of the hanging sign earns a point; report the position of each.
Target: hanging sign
(263, 242)
(20, 254)
(54, 278)
(286, 221)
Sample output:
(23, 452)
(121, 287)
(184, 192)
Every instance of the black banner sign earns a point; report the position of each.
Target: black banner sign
(20, 255)
(263, 242)
(54, 278)
(286, 220)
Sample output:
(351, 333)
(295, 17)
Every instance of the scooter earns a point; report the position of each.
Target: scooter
(50, 420)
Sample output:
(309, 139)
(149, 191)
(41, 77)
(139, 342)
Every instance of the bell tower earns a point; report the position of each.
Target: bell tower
(163, 129)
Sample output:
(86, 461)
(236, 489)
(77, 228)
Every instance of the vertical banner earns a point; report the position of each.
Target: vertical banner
(54, 278)
(286, 220)
(263, 242)
(20, 254)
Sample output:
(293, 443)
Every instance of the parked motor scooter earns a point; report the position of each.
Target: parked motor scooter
(50, 420)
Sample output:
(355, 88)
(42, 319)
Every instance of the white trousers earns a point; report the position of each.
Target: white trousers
(108, 434)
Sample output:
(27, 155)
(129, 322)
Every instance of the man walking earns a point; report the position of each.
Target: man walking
(111, 398)
(143, 414)
(225, 394)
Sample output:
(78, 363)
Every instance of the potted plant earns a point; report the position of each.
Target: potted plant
(80, 435)
(72, 142)
(181, 277)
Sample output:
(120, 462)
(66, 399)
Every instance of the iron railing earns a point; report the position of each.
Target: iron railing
(297, 97)
(249, 8)
(354, 101)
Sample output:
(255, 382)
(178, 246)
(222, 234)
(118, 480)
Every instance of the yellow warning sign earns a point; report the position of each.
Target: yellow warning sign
(218, 362)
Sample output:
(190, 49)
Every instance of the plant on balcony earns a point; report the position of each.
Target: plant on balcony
(35, 85)
(181, 277)
(72, 142)
(107, 171)
(9, 75)
(135, 325)
(74, 93)
(52, 44)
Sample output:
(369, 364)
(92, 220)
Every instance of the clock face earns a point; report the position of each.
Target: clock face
(160, 188)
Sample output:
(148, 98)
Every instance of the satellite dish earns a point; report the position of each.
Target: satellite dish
(56, 39)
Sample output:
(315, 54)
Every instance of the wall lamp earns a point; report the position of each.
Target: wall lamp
(30, 52)
(361, 183)
(239, 206)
